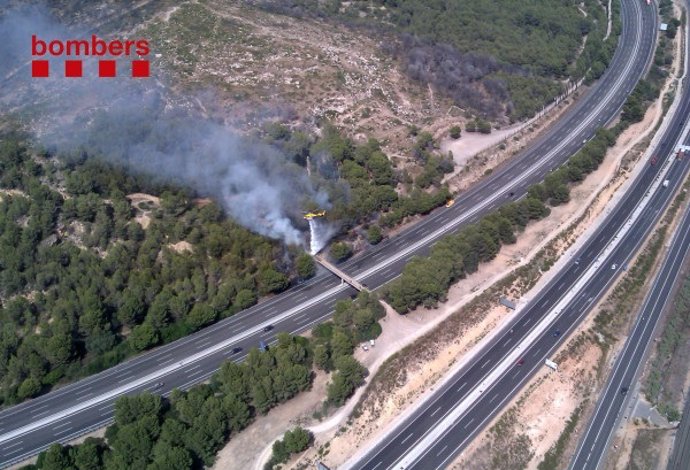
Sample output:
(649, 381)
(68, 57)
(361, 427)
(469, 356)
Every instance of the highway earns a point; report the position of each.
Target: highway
(595, 441)
(402, 446)
(74, 409)
(454, 440)
(680, 458)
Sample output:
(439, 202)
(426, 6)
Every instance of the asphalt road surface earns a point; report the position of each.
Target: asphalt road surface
(413, 430)
(88, 404)
(595, 442)
(680, 458)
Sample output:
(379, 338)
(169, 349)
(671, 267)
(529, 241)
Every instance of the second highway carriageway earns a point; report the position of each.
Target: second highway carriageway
(72, 410)
(435, 431)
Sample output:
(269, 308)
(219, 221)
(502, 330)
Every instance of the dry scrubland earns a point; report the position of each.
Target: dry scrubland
(271, 66)
(524, 435)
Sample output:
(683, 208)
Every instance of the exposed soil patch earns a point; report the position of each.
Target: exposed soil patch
(144, 204)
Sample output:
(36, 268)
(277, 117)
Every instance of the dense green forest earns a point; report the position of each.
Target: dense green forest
(186, 431)
(83, 284)
(375, 192)
(492, 57)
(92, 271)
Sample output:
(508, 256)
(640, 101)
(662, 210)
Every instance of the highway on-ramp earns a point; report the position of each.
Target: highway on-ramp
(74, 409)
(403, 448)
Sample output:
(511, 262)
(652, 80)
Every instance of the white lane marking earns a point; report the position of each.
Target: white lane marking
(436, 411)
(168, 369)
(441, 451)
(298, 317)
(461, 387)
(468, 423)
(63, 431)
(18, 443)
(39, 408)
(408, 436)
(485, 363)
(506, 342)
(15, 451)
(42, 413)
(199, 372)
(58, 426)
(99, 399)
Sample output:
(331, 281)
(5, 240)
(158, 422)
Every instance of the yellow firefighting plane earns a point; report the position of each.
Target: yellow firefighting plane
(313, 215)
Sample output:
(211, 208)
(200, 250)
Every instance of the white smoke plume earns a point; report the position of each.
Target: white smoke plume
(138, 123)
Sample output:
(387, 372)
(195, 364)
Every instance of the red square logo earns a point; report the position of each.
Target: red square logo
(40, 68)
(140, 68)
(107, 68)
(73, 68)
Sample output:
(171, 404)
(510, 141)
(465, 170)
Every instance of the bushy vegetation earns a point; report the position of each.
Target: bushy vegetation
(293, 442)
(340, 251)
(455, 132)
(425, 280)
(83, 285)
(491, 57)
(334, 342)
(186, 431)
(674, 334)
(553, 456)
(370, 181)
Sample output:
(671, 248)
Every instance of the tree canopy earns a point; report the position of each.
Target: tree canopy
(91, 270)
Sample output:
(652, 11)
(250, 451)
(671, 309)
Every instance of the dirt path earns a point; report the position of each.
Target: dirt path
(471, 143)
(475, 154)
(588, 199)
